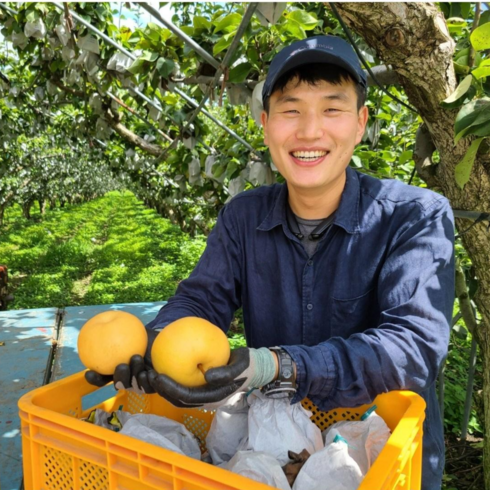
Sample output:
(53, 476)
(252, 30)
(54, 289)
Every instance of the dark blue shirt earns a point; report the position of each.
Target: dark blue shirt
(368, 313)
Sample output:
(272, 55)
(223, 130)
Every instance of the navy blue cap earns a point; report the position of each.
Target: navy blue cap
(318, 49)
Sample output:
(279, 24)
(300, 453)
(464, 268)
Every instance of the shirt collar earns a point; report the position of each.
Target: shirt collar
(346, 216)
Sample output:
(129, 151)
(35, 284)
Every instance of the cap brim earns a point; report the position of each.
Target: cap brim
(309, 56)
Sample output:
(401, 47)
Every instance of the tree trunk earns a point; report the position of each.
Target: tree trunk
(52, 203)
(42, 206)
(413, 39)
(26, 209)
(62, 203)
(2, 214)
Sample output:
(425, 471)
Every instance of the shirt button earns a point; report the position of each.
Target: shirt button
(310, 262)
(309, 306)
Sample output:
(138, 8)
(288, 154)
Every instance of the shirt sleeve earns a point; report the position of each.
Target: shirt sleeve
(213, 289)
(405, 351)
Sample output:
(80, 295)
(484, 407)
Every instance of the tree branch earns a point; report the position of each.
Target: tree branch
(422, 156)
(131, 137)
(70, 90)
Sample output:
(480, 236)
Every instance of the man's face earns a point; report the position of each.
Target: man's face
(311, 132)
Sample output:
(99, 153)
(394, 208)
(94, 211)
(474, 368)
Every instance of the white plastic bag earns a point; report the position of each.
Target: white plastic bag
(365, 438)
(276, 427)
(35, 28)
(259, 466)
(256, 106)
(331, 468)
(228, 429)
(163, 432)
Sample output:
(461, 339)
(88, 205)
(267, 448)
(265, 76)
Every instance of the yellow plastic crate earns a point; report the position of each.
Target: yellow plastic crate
(61, 452)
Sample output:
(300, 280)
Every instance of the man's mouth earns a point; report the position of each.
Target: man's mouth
(309, 156)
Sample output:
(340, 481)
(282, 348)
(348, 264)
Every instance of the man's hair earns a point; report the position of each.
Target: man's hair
(314, 73)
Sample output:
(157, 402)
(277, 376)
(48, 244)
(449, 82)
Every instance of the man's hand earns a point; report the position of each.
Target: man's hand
(132, 376)
(246, 369)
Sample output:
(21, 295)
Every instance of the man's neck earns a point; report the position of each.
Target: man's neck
(316, 203)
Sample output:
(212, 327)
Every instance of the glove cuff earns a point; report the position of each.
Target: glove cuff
(262, 367)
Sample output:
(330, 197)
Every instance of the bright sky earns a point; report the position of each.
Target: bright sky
(135, 17)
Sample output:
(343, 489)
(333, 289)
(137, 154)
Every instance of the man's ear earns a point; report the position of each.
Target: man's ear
(263, 120)
(363, 116)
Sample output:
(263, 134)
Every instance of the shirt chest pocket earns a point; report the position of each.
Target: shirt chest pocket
(354, 315)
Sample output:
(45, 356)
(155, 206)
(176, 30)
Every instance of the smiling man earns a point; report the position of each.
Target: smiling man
(346, 281)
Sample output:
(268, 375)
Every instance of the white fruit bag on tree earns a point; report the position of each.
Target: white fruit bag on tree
(162, 432)
(365, 438)
(259, 466)
(228, 429)
(331, 468)
(276, 427)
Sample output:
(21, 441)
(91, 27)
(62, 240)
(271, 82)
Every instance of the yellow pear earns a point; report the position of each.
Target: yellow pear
(111, 338)
(187, 348)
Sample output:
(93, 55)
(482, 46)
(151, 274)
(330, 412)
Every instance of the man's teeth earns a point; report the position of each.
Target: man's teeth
(309, 155)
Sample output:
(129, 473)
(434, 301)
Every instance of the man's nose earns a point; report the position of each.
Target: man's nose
(310, 127)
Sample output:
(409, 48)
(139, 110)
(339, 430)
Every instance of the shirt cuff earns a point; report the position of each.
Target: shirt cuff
(316, 373)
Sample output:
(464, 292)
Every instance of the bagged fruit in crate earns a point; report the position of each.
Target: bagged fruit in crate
(365, 438)
(331, 468)
(154, 429)
(259, 466)
(163, 432)
(229, 429)
(276, 427)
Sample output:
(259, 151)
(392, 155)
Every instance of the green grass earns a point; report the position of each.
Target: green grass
(110, 250)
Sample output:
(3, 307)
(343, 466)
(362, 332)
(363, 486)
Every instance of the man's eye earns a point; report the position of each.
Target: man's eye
(332, 110)
(290, 111)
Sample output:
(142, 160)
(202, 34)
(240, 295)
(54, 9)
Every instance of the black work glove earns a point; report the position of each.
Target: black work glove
(246, 369)
(132, 376)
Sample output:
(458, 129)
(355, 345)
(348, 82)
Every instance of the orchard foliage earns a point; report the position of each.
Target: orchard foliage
(57, 77)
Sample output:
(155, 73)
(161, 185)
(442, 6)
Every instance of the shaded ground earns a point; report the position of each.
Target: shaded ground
(464, 464)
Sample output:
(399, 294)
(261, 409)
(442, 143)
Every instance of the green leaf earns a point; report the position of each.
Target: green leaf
(149, 56)
(218, 170)
(455, 25)
(32, 16)
(152, 32)
(406, 156)
(465, 9)
(222, 44)
(480, 130)
(468, 96)
(481, 72)
(480, 37)
(41, 7)
(239, 73)
(201, 22)
(165, 67)
(461, 69)
(462, 171)
(294, 28)
(230, 169)
(474, 113)
(230, 22)
(356, 161)
(52, 19)
(137, 66)
(304, 19)
(461, 89)
(484, 18)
